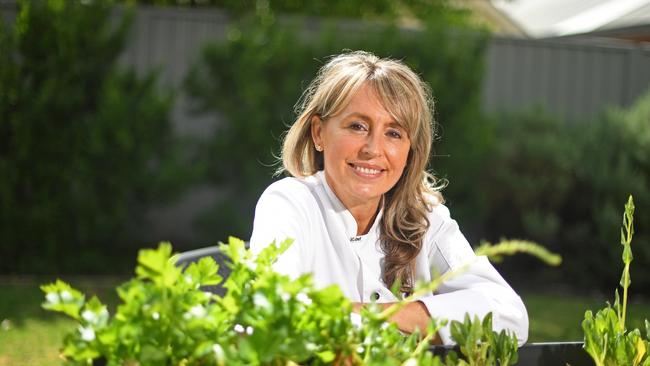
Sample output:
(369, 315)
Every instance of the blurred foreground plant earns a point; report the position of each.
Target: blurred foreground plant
(264, 318)
(607, 339)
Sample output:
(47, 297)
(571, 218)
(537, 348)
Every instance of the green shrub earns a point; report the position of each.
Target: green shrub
(610, 167)
(559, 184)
(253, 79)
(82, 144)
(525, 181)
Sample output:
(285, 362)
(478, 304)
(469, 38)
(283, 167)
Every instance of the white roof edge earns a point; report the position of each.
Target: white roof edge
(596, 17)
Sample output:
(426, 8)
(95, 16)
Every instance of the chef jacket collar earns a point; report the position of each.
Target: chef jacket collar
(349, 222)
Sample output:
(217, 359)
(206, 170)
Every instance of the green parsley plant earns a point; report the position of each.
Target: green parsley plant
(265, 318)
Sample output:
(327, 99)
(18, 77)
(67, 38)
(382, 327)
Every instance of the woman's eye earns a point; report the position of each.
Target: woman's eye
(395, 134)
(357, 126)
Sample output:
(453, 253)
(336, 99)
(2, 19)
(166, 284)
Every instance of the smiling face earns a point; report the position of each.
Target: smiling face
(364, 150)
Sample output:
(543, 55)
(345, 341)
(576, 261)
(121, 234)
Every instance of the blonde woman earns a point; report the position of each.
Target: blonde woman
(361, 207)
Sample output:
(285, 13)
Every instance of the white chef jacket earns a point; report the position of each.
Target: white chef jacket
(326, 244)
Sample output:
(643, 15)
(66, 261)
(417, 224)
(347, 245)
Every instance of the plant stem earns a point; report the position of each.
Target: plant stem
(424, 342)
(628, 219)
(626, 272)
(506, 247)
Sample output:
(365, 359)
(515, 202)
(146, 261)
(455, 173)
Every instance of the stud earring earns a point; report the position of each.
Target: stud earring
(318, 148)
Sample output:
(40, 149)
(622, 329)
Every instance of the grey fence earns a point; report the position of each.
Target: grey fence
(572, 80)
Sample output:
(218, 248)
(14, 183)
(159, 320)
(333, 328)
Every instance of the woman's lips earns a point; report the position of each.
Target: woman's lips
(366, 171)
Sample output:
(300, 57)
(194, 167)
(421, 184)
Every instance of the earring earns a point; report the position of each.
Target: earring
(318, 148)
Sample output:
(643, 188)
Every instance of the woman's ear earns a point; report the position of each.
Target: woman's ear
(316, 130)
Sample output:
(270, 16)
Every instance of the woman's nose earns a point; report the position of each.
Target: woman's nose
(372, 146)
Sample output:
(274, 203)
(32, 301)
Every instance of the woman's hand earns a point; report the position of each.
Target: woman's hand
(410, 317)
(357, 306)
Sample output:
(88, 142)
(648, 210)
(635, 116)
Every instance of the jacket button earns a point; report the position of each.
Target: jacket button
(375, 296)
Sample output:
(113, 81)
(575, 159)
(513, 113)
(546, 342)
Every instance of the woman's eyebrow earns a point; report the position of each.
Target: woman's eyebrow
(396, 125)
(358, 115)
(366, 117)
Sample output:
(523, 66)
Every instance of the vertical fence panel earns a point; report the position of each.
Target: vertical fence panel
(570, 80)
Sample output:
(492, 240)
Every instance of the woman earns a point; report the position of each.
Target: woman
(361, 207)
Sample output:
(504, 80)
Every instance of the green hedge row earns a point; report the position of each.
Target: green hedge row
(562, 185)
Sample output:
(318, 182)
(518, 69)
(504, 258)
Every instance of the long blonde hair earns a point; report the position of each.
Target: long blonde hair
(408, 99)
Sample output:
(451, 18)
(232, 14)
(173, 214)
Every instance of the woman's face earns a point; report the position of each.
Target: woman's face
(365, 150)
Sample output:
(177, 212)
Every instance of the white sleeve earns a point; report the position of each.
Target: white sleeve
(278, 217)
(477, 291)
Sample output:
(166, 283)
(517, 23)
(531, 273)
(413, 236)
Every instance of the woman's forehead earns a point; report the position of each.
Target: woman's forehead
(373, 100)
(366, 101)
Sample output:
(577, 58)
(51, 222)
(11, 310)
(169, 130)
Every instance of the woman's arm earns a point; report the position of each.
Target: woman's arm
(476, 290)
(279, 215)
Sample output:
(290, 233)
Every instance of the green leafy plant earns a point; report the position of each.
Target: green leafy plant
(481, 345)
(607, 340)
(264, 318)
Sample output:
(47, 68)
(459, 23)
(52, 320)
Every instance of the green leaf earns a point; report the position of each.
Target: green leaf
(326, 356)
(61, 297)
(627, 253)
(270, 253)
(152, 355)
(157, 265)
(235, 250)
(625, 281)
(640, 350)
(204, 272)
(487, 323)
(95, 313)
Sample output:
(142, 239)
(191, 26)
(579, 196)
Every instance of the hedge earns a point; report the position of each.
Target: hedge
(561, 184)
(84, 145)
